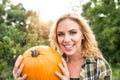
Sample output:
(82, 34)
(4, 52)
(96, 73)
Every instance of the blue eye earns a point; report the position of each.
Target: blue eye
(60, 34)
(73, 32)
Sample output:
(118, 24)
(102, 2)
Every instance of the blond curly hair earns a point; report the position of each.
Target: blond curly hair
(89, 44)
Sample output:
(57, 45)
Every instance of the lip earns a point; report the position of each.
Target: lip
(69, 47)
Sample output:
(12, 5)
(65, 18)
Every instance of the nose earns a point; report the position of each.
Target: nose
(67, 38)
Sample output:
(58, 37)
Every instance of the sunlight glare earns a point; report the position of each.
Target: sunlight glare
(48, 9)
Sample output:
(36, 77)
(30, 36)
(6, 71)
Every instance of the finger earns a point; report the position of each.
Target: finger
(64, 71)
(61, 67)
(17, 64)
(19, 70)
(21, 78)
(59, 75)
(24, 77)
(65, 65)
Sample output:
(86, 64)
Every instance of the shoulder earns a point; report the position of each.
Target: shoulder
(104, 69)
(102, 64)
(99, 62)
(97, 68)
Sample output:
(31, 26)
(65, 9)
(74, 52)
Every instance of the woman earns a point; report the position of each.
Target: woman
(73, 38)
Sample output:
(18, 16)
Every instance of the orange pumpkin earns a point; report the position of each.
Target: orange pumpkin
(40, 63)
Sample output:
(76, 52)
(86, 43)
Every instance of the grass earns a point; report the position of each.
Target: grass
(116, 71)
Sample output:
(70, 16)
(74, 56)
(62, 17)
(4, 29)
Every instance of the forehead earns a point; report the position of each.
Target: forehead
(67, 24)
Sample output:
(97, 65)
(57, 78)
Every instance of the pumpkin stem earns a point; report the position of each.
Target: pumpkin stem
(35, 53)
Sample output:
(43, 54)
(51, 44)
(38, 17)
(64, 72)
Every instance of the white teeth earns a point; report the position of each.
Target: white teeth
(69, 46)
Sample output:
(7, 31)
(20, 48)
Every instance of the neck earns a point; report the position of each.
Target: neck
(75, 58)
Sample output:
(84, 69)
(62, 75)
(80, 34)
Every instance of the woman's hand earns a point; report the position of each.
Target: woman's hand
(18, 69)
(64, 69)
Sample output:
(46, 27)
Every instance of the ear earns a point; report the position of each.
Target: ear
(83, 37)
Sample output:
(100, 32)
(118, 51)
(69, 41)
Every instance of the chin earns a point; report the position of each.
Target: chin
(69, 53)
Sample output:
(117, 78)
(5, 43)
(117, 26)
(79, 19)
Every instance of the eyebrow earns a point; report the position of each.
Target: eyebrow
(72, 30)
(68, 31)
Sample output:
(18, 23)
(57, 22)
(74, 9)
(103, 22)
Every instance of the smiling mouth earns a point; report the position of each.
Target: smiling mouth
(69, 46)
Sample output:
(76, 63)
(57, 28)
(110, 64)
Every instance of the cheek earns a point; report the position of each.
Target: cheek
(59, 41)
(79, 38)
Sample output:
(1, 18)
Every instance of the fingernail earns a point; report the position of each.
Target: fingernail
(20, 56)
(59, 64)
(22, 64)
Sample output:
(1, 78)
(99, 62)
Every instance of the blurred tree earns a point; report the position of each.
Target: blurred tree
(104, 19)
(37, 31)
(12, 36)
(12, 14)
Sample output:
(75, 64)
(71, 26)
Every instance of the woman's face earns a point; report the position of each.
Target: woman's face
(69, 36)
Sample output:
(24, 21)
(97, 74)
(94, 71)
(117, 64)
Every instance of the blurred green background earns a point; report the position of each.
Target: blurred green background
(21, 29)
